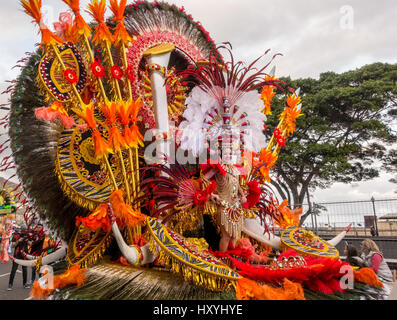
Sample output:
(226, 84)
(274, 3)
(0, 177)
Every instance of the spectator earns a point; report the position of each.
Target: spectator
(352, 256)
(373, 232)
(373, 258)
(36, 249)
(21, 244)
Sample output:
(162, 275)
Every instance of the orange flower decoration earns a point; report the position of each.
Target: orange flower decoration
(249, 290)
(80, 26)
(87, 114)
(73, 276)
(97, 10)
(33, 9)
(267, 95)
(96, 220)
(367, 276)
(288, 217)
(100, 145)
(121, 36)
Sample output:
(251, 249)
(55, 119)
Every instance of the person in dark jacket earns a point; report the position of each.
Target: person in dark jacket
(36, 249)
(21, 247)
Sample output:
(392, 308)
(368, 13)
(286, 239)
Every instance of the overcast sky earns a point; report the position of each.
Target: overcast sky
(313, 36)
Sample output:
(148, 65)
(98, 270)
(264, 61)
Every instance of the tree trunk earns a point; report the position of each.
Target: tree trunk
(309, 210)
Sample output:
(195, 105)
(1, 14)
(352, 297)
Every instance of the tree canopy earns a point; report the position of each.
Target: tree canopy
(345, 134)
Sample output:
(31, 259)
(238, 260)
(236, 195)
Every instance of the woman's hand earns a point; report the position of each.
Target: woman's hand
(215, 198)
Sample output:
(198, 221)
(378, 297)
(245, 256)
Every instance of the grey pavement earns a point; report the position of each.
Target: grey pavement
(18, 292)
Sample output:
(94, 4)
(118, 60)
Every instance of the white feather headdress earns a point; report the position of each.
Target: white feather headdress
(224, 108)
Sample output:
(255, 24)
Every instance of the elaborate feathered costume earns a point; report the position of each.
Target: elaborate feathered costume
(78, 149)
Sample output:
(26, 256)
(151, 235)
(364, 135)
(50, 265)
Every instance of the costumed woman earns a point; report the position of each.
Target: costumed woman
(228, 196)
(5, 240)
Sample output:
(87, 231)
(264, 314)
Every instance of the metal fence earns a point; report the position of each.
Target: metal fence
(374, 217)
(328, 219)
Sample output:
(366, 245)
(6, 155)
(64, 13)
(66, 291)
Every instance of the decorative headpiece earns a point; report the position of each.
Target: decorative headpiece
(224, 109)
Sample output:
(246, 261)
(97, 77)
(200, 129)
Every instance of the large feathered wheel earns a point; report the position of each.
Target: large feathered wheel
(52, 162)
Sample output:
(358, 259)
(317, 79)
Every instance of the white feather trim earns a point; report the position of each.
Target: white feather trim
(195, 132)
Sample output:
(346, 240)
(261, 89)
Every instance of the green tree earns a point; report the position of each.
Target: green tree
(344, 133)
(390, 165)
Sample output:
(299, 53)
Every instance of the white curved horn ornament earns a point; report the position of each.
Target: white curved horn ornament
(340, 236)
(130, 253)
(159, 57)
(253, 228)
(48, 259)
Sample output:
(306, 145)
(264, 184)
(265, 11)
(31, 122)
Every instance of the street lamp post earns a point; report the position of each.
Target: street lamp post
(375, 220)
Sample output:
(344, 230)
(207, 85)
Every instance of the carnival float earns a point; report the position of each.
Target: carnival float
(142, 142)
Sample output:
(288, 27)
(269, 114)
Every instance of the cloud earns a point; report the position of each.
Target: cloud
(309, 34)
(379, 188)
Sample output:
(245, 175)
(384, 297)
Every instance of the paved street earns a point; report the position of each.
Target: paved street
(18, 292)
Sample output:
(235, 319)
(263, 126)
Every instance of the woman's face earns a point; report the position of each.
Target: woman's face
(345, 251)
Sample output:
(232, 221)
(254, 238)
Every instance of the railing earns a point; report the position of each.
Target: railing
(368, 218)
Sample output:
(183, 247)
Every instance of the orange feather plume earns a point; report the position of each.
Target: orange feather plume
(367, 276)
(290, 114)
(121, 35)
(73, 276)
(130, 138)
(293, 100)
(124, 112)
(135, 106)
(124, 212)
(118, 9)
(267, 94)
(136, 134)
(74, 5)
(116, 140)
(288, 217)
(96, 220)
(249, 290)
(97, 10)
(100, 145)
(33, 9)
(80, 26)
(267, 159)
(87, 114)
